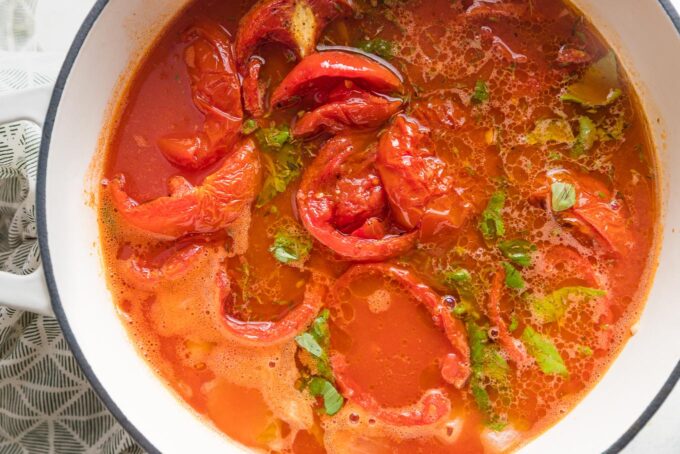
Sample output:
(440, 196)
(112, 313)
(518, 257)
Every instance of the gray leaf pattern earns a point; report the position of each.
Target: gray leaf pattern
(46, 403)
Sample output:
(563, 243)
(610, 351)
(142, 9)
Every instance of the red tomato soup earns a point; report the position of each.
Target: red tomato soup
(381, 226)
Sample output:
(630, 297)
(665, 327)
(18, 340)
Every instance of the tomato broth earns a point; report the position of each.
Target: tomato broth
(381, 226)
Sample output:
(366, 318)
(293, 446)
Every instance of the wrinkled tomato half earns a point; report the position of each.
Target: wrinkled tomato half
(262, 333)
(321, 72)
(357, 300)
(596, 214)
(347, 108)
(217, 202)
(341, 202)
(296, 24)
(216, 92)
(420, 190)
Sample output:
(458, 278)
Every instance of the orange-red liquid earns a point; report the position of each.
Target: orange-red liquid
(252, 393)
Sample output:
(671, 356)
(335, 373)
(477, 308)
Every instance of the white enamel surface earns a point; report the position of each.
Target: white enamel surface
(115, 39)
(650, 49)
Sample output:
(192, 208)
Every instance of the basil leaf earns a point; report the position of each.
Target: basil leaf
(489, 369)
(563, 196)
(309, 343)
(491, 224)
(332, 400)
(378, 46)
(291, 246)
(513, 278)
(555, 130)
(517, 251)
(552, 307)
(457, 275)
(283, 165)
(544, 352)
(587, 135)
(274, 137)
(481, 93)
(249, 126)
(599, 85)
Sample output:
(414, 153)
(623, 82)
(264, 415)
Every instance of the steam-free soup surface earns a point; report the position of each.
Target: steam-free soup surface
(385, 226)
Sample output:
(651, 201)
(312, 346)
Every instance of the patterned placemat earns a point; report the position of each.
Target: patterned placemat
(46, 403)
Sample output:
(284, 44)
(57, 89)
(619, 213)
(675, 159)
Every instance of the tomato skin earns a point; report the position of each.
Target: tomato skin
(318, 209)
(274, 21)
(143, 276)
(321, 71)
(596, 214)
(275, 332)
(216, 92)
(416, 180)
(213, 205)
(433, 405)
(347, 108)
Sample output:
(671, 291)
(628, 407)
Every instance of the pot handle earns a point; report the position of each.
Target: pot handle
(29, 292)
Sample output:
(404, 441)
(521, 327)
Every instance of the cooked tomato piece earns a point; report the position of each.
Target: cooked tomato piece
(296, 24)
(452, 351)
(596, 213)
(347, 108)
(213, 205)
(322, 71)
(439, 112)
(216, 93)
(141, 274)
(261, 333)
(418, 186)
(340, 192)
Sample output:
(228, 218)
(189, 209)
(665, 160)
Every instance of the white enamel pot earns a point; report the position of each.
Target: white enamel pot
(646, 35)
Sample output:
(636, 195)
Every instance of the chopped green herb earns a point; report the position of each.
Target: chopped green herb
(481, 93)
(332, 400)
(249, 126)
(517, 251)
(552, 307)
(585, 350)
(489, 368)
(457, 275)
(554, 156)
(599, 85)
(544, 352)
(283, 165)
(551, 130)
(563, 196)
(291, 246)
(378, 46)
(513, 278)
(274, 137)
(309, 343)
(587, 135)
(514, 323)
(491, 225)
(613, 131)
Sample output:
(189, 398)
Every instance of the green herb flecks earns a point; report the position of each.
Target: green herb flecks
(378, 46)
(587, 135)
(291, 245)
(282, 161)
(599, 85)
(489, 370)
(480, 94)
(551, 308)
(517, 251)
(545, 353)
(491, 224)
(332, 399)
(513, 278)
(563, 196)
(249, 126)
(460, 280)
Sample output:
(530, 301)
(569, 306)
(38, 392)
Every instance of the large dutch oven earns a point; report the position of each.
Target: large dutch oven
(113, 39)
